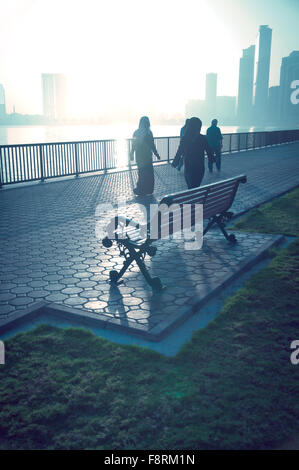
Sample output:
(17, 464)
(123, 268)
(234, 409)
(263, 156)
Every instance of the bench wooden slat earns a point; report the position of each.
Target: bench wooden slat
(192, 194)
(203, 196)
(209, 212)
(219, 196)
(221, 190)
(134, 241)
(216, 205)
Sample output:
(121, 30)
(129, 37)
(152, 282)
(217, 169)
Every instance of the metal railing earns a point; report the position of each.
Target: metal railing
(30, 162)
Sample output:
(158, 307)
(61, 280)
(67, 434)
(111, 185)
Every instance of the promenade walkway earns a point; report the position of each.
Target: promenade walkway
(49, 251)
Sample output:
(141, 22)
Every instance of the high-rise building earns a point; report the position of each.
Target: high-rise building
(289, 73)
(226, 108)
(261, 73)
(54, 89)
(245, 90)
(211, 93)
(2, 102)
(273, 105)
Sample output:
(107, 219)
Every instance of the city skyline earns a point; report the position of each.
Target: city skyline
(261, 73)
(122, 63)
(54, 88)
(246, 81)
(255, 104)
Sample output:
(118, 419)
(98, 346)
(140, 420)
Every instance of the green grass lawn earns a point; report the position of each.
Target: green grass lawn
(279, 216)
(232, 386)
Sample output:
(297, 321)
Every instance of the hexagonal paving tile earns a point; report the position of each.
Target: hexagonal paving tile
(51, 253)
(21, 301)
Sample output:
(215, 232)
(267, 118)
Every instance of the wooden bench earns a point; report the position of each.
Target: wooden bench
(134, 240)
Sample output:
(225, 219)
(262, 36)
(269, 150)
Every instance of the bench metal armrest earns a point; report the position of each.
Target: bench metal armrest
(120, 223)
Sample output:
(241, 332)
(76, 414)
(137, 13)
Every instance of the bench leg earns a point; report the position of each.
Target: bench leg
(210, 225)
(137, 256)
(229, 237)
(154, 282)
(219, 221)
(115, 275)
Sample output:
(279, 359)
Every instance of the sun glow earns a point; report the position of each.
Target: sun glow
(118, 56)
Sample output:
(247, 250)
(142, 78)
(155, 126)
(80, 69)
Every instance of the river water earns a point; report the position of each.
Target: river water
(20, 164)
(11, 135)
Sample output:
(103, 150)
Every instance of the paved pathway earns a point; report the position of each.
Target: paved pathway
(49, 251)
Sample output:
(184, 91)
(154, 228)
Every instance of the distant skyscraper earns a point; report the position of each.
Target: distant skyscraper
(54, 95)
(273, 104)
(289, 72)
(261, 73)
(226, 108)
(245, 91)
(2, 102)
(211, 93)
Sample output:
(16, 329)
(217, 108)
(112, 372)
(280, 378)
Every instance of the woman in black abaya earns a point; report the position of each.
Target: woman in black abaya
(144, 147)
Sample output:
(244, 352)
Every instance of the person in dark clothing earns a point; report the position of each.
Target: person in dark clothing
(144, 147)
(214, 137)
(193, 146)
(183, 129)
(182, 132)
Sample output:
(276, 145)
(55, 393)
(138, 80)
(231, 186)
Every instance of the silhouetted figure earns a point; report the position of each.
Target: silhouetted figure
(214, 137)
(182, 132)
(144, 147)
(193, 146)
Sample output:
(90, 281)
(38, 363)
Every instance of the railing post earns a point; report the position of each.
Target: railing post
(41, 159)
(76, 160)
(1, 175)
(246, 140)
(129, 154)
(105, 157)
(230, 143)
(239, 142)
(168, 156)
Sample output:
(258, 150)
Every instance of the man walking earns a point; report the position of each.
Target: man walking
(214, 137)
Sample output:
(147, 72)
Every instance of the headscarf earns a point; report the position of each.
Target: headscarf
(193, 130)
(144, 129)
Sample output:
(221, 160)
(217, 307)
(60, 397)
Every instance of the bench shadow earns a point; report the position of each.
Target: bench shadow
(156, 306)
(183, 278)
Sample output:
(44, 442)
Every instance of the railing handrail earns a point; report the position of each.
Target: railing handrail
(131, 138)
(40, 161)
(58, 143)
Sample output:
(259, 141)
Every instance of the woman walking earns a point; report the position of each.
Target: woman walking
(193, 146)
(144, 147)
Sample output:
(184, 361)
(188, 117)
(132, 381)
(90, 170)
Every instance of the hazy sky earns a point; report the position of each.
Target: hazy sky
(137, 53)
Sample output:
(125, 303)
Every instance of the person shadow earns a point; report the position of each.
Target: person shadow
(116, 307)
(170, 265)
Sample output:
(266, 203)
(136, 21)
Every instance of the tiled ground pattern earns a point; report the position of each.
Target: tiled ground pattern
(49, 250)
